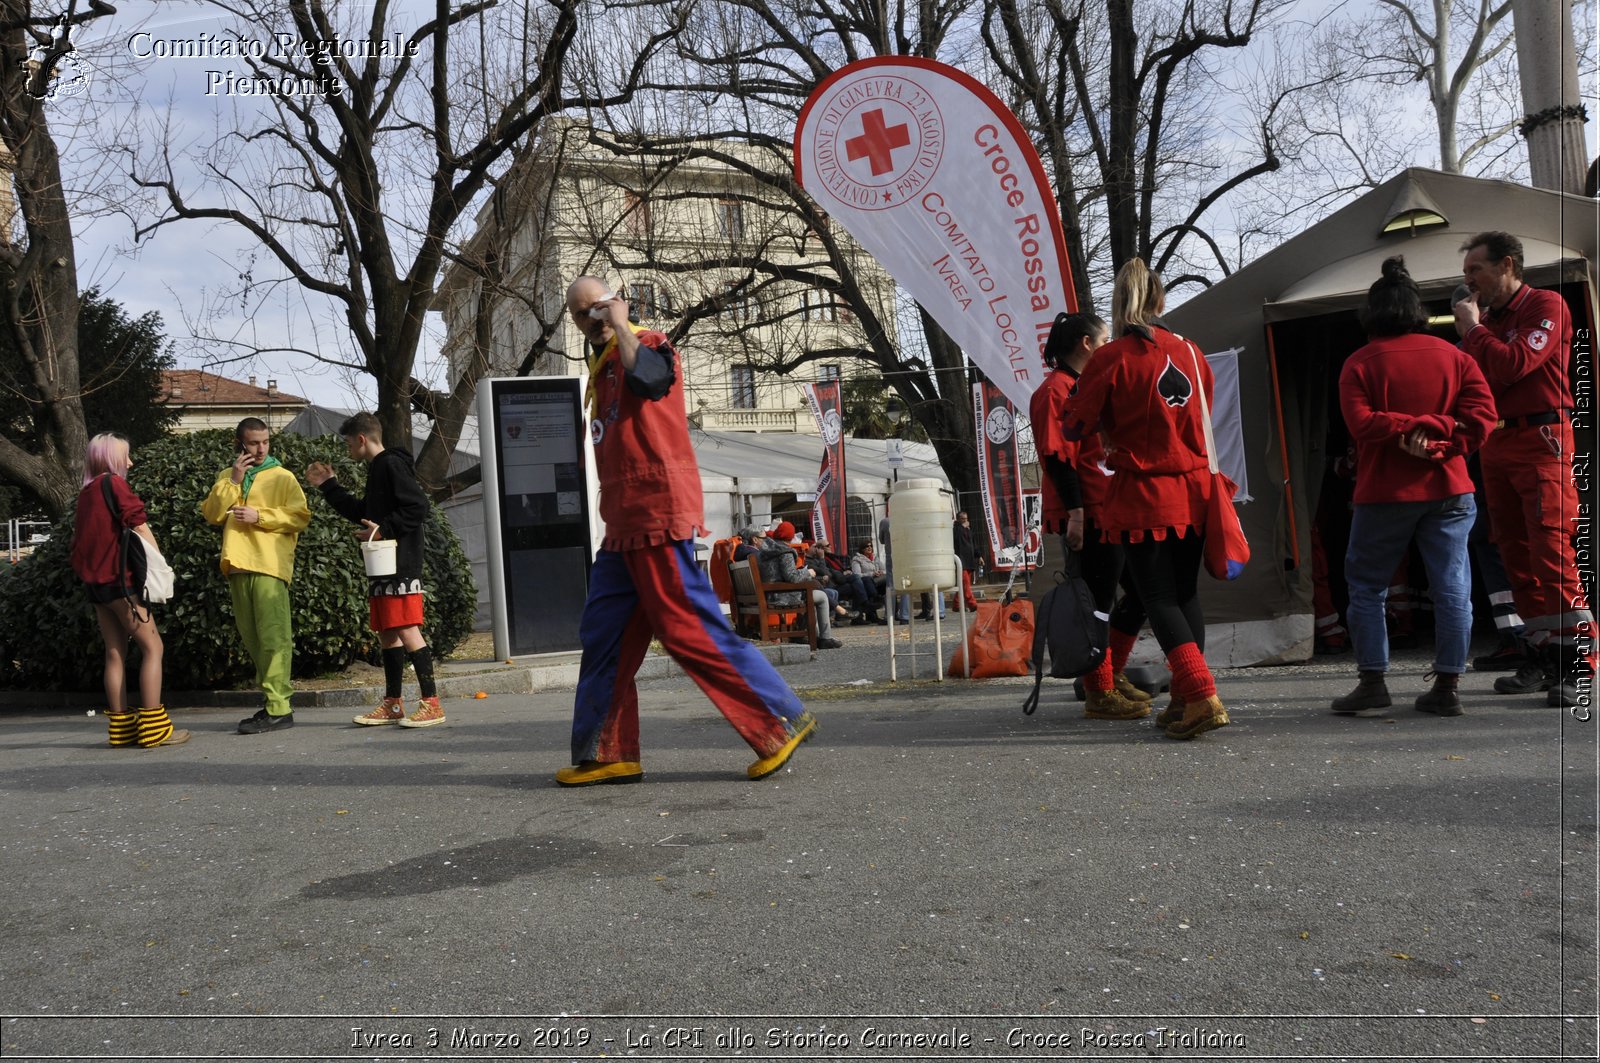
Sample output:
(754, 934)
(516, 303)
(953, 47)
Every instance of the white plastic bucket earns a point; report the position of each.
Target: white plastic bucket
(921, 544)
(379, 556)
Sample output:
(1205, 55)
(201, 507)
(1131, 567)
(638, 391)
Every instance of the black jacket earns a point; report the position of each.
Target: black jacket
(395, 503)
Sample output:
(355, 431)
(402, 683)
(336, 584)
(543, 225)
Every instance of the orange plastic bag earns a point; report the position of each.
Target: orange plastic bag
(1000, 642)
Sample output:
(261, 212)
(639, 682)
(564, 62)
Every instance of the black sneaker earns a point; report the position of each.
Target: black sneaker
(262, 722)
(828, 644)
(1575, 689)
(1531, 678)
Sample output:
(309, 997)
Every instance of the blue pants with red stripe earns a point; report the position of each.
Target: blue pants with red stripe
(659, 592)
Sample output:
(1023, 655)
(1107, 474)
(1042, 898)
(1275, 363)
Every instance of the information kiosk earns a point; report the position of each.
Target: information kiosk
(540, 511)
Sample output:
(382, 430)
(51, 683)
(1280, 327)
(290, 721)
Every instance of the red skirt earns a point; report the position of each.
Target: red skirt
(391, 611)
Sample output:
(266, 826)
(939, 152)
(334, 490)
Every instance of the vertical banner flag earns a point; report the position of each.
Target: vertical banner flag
(937, 179)
(828, 511)
(1000, 478)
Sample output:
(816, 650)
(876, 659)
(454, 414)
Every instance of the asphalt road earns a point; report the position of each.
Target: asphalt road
(935, 875)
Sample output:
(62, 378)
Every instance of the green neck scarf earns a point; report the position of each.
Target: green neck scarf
(269, 462)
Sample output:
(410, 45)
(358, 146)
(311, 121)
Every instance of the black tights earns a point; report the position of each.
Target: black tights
(1104, 568)
(1166, 571)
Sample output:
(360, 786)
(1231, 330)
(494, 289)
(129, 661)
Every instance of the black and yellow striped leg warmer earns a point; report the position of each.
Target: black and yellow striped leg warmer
(155, 726)
(123, 727)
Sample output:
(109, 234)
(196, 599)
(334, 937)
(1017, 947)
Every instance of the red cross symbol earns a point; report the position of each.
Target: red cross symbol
(877, 142)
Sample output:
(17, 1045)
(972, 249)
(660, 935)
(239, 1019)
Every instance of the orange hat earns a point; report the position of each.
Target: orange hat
(784, 532)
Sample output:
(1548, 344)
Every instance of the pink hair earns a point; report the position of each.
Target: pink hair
(108, 452)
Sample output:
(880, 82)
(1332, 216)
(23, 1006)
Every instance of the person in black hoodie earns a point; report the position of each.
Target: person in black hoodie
(394, 508)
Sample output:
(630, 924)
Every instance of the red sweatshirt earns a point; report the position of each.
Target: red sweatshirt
(1140, 393)
(95, 531)
(1399, 383)
(1522, 349)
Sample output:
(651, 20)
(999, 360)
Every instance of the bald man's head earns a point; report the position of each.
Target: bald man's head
(582, 294)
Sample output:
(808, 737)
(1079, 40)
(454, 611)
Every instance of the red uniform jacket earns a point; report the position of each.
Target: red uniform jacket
(1399, 383)
(1522, 349)
(649, 479)
(1045, 410)
(1141, 394)
(95, 531)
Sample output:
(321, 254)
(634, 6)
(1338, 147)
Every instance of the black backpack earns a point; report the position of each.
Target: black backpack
(1074, 630)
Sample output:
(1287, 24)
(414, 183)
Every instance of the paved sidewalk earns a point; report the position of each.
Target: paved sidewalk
(936, 874)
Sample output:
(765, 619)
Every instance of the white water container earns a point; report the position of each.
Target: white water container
(921, 543)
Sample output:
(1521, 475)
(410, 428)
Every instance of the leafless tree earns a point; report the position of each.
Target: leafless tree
(39, 297)
(357, 196)
(1129, 101)
(1459, 50)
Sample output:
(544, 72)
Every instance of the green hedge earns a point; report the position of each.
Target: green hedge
(49, 639)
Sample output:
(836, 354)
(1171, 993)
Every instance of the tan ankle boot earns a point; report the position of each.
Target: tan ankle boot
(1111, 705)
(1198, 718)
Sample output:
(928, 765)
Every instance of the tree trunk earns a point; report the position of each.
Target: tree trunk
(1549, 72)
(39, 289)
(1122, 203)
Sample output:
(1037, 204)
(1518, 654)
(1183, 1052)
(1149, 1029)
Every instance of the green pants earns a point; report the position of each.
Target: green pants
(261, 609)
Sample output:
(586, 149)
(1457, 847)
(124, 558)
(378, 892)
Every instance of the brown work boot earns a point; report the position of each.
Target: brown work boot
(1369, 697)
(1171, 714)
(1126, 688)
(1198, 718)
(1442, 699)
(1111, 705)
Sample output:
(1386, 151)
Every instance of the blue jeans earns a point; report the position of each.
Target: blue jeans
(1379, 535)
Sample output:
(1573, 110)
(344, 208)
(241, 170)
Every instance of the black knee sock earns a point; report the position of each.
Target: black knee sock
(422, 661)
(394, 671)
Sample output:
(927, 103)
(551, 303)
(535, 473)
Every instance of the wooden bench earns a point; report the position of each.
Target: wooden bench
(754, 616)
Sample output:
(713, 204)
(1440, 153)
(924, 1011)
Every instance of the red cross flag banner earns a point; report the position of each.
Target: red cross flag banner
(934, 177)
(1000, 477)
(828, 511)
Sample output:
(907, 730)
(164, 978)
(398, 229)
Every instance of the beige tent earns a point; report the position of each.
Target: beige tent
(1293, 311)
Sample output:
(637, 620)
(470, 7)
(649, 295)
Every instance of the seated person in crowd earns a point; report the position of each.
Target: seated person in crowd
(747, 548)
(852, 588)
(777, 562)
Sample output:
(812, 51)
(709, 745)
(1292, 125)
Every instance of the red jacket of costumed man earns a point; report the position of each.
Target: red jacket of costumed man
(1140, 392)
(649, 480)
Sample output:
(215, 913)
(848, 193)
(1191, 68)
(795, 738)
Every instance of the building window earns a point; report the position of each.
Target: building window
(730, 219)
(643, 298)
(827, 372)
(818, 306)
(635, 214)
(743, 378)
(739, 307)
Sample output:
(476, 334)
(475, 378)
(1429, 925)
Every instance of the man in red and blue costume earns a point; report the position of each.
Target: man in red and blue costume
(645, 583)
(1521, 337)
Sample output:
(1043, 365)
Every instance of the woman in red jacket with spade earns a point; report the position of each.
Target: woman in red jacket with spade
(1139, 392)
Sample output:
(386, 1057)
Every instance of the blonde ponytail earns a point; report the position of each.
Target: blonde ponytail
(1136, 298)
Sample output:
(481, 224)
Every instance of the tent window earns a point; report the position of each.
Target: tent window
(859, 524)
(1412, 220)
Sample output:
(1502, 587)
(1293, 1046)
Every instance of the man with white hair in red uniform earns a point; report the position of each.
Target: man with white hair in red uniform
(1521, 337)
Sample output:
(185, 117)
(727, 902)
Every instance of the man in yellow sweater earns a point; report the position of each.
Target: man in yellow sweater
(262, 511)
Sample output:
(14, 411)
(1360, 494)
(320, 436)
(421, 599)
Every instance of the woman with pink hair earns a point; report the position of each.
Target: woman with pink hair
(97, 560)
